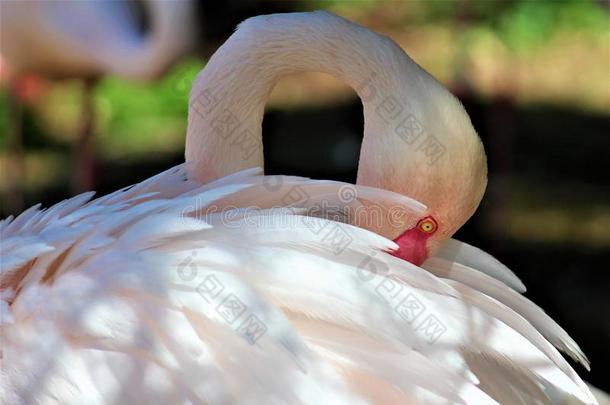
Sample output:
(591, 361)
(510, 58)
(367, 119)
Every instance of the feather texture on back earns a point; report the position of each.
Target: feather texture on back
(243, 291)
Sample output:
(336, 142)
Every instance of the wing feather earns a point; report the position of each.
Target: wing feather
(459, 252)
(151, 294)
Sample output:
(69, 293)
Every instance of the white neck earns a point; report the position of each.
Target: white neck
(228, 98)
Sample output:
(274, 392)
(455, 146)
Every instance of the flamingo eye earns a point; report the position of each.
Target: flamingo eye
(427, 225)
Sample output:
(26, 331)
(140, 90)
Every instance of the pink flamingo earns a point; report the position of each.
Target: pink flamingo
(212, 284)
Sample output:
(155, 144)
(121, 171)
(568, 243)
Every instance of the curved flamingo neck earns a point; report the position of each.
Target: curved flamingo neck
(229, 95)
(410, 120)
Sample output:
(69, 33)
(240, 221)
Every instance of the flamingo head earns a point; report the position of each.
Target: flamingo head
(430, 152)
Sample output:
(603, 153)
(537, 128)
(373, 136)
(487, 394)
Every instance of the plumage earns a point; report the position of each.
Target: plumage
(499, 291)
(459, 252)
(111, 297)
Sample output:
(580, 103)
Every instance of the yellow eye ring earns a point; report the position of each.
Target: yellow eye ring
(427, 225)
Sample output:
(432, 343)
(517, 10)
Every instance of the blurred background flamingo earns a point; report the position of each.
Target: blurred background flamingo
(135, 40)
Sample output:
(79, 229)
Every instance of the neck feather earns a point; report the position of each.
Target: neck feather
(229, 95)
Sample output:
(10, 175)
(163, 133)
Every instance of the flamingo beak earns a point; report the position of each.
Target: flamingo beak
(412, 244)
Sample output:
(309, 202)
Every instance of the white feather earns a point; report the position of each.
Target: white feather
(459, 252)
(126, 301)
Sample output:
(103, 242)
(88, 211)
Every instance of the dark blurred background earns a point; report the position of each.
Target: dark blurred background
(533, 75)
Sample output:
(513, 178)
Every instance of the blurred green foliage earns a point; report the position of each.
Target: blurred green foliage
(134, 115)
(130, 117)
(528, 24)
(522, 24)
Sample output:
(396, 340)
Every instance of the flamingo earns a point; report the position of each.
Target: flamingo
(88, 39)
(213, 283)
